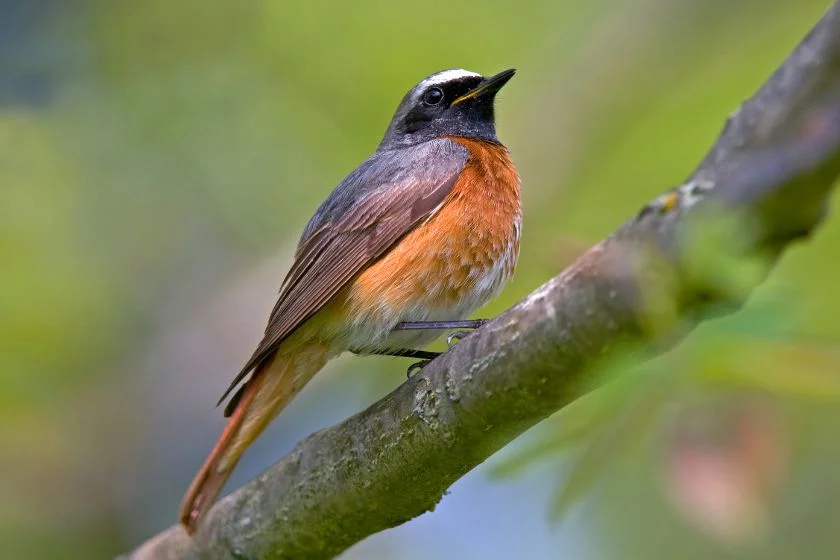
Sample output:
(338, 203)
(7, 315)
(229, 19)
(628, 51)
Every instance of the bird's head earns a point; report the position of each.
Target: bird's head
(448, 103)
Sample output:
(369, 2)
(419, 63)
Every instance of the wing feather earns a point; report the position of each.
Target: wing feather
(398, 191)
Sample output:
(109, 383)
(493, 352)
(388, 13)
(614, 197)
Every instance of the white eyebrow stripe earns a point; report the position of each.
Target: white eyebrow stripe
(447, 76)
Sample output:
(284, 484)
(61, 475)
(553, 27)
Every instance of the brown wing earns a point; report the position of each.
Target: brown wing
(351, 239)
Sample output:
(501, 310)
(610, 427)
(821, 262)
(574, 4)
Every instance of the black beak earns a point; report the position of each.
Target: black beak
(488, 86)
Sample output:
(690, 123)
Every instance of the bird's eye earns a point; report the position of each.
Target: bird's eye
(433, 97)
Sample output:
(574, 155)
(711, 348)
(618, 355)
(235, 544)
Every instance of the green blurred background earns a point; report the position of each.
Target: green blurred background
(159, 159)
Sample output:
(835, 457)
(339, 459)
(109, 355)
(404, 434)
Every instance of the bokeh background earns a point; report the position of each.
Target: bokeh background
(158, 160)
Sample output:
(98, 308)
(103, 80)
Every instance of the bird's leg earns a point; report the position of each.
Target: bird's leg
(440, 325)
(434, 325)
(424, 356)
(402, 353)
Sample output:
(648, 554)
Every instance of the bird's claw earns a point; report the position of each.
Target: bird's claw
(450, 342)
(455, 337)
(415, 367)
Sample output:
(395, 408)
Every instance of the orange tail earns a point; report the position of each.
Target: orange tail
(270, 388)
(209, 481)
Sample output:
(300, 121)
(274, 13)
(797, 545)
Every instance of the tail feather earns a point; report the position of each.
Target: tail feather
(265, 394)
(213, 475)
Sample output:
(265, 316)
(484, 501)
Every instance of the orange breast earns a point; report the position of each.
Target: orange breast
(460, 257)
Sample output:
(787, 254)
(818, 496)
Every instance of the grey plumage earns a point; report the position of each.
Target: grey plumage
(384, 170)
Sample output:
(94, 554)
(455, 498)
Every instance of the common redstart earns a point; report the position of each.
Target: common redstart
(412, 242)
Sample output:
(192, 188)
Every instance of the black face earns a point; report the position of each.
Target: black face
(449, 103)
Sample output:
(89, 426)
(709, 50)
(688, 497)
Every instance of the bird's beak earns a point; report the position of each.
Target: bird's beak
(488, 86)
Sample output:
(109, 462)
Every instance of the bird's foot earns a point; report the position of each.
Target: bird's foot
(415, 368)
(455, 337)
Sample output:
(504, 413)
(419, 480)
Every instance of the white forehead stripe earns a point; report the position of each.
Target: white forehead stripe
(447, 76)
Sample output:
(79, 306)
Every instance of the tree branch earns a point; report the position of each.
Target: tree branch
(772, 170)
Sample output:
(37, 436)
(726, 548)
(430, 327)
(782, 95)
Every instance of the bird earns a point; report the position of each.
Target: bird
(411, 243)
